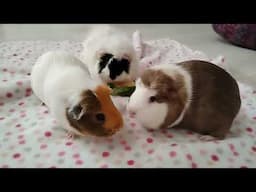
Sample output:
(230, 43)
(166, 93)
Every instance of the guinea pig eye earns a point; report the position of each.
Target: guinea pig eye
(100, 117)
(152, 99)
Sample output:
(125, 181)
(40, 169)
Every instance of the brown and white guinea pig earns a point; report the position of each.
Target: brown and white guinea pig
(109, 54)
(194, 95)
(79, 103)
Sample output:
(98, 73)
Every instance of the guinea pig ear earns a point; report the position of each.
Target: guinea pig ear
(76, 112)
(100, 53)
(126, 56)
(166, 88)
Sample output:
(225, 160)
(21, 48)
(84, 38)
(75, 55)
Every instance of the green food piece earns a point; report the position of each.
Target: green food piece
(123, 91)
(111, 85)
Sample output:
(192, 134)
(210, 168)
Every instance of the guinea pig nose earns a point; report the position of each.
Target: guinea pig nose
(100, 117)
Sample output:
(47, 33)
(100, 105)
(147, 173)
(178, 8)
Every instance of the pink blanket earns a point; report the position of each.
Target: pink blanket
(30, 136)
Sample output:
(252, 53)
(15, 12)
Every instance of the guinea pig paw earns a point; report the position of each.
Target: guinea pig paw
(207, 138)
(70, 135)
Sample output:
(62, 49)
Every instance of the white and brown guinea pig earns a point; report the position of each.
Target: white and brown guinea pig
(79, 103)
(194, 95)
(109, 53)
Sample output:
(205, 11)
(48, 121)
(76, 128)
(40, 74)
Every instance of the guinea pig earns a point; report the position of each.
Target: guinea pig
(109, 53)
(80, 104)
(194, 95)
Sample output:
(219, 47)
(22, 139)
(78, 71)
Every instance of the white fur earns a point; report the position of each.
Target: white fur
(172, 71)
(57, 79)
(105, 38)
(151, 115)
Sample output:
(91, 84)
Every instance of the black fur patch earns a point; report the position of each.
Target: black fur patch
(104, 61)
(116, 67)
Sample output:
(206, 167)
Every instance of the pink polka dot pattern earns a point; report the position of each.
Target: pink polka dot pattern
(173, 154)
(31, 137)
(130, 162)
(105, 154)
(79, 162)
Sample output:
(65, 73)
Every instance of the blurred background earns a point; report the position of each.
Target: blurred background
(241, 61)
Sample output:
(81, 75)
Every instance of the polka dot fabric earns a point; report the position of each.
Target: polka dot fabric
(30, 137)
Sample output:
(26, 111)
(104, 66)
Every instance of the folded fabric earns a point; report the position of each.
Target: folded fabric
(243, 35)
(30, 137)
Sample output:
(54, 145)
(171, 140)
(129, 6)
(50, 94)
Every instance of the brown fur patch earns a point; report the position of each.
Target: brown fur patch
(215, 99)
(94, 105)
(170, 90)
(114, 118)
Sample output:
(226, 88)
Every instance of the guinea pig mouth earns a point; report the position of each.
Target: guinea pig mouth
(113, 131)
(110, 133)
(107, 133)
(102, 133)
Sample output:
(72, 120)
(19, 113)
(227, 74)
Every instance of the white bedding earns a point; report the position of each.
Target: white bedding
(29, 136)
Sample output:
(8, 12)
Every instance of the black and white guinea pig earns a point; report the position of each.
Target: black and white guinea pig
(194, 95)
(79, 103)
(109, 53)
